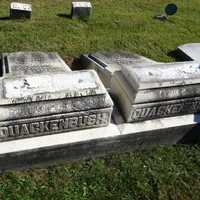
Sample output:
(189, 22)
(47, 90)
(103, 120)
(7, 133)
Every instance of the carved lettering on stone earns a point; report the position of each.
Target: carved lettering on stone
(55, 125)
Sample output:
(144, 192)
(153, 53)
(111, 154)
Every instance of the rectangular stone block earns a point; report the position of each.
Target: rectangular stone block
(81, 10)
(59, 106)
(151, 95)
(31, 127)
(21, 63)
(37, 85)
(162, 75)
(82, 144)
(107, 63)
(20, 10)
(133, 110)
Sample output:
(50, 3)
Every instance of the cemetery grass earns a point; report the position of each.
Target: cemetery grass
(160, 173)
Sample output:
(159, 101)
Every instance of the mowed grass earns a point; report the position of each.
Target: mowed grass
(115, 24)
(160, 173)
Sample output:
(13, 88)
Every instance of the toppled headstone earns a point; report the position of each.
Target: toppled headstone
(40, 95)
(145, 89)
(107, 63)
(81, 10)
(160, 90)
(20, 10)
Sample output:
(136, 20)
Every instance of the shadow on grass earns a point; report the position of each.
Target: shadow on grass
(5, 18)
(63, 15)
(192, 136)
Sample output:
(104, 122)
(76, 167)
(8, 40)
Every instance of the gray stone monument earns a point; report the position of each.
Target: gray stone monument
(145, 89)
(20, 10)
(81, 10)
(40, 95)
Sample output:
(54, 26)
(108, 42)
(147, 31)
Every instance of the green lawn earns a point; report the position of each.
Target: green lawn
(161, 173)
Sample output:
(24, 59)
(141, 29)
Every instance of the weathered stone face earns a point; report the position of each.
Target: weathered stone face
(38, 88)
(190, 51)
(162, 75)
(21, 63)
(106, 64)
(145, 89)
(20, 10)
(81, 10)
(54, 124)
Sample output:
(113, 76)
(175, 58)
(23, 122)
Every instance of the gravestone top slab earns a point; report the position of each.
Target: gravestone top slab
(21, 63)
(30, 88)
(162, 75)
(81, 4)
(21, 6)
(190, 51)
(81, 10)
(105, 59)
(107, 63)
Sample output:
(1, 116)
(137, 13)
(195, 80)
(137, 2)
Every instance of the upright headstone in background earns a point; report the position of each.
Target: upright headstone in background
(81, 10)
(20, 10)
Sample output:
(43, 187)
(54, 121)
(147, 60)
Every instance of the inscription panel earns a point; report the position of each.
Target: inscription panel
(42, 108)
(20, 6)
(50, 86)
(54, 124)
(178, 107)
(118, 57)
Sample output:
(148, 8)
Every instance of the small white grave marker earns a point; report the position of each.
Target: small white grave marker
(81, 10)
(20, 10)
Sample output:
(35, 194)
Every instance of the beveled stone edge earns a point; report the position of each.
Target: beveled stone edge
(111, 131)
(54, 124)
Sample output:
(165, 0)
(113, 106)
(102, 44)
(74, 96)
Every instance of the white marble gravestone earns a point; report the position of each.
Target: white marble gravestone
(157, 91)
(44, 83)
(190, 51)
(145, 89)
(81, 10)
(39, 95)
(107, 63)
(20, 10)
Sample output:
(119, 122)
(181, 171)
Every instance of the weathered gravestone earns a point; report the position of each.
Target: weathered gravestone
(39, 95)
(107, 63)
(190, 51)
(146, 90)
(20, 10)
(81, 10)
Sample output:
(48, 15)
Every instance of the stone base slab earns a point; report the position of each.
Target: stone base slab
(53, 149)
